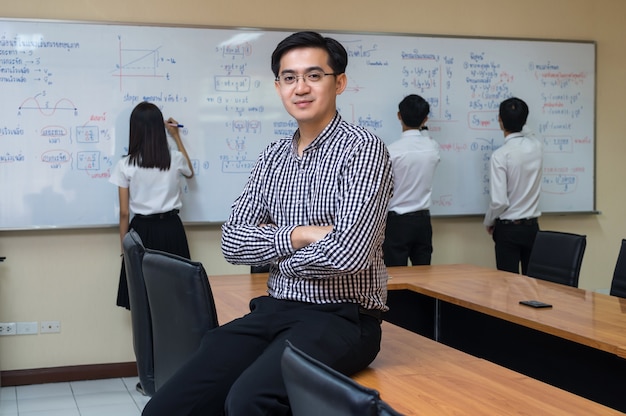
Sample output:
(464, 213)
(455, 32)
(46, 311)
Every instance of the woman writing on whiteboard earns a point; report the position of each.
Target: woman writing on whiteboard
(149, 180)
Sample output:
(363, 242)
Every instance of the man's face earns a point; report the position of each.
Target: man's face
(312, 104)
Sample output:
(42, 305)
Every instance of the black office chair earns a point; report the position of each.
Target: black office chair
(557, 257)
(139, 312)
(314, 389)
(181, 308)
(618, 284)
(260, 269)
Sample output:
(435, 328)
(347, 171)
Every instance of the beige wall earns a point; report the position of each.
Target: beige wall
(71, 275)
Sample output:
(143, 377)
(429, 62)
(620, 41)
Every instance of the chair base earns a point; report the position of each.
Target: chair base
(140, 389)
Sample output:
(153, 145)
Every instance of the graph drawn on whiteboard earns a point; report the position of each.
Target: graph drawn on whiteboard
(42, 105)
(140, 63)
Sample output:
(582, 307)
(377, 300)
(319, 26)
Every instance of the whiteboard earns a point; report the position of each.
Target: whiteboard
(68, 89)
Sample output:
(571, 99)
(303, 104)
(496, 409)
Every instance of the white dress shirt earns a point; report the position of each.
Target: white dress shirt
(152, 191)
(414, 158)
(515, 182)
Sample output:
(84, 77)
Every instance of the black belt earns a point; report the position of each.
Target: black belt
(159, 216)
(524, 221)
(374, 313)
(421, 213)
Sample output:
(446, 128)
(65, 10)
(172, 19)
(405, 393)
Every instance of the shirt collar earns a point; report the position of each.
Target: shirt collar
(412, 133)
(327, 132)
(513, 136)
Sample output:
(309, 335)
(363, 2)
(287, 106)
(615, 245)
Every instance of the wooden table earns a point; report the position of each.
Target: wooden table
(585, 317)
(579, 344)
(417, 375)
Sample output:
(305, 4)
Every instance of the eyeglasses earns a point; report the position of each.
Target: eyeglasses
(310, 78)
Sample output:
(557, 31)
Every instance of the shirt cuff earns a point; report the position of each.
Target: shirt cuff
(282, 241)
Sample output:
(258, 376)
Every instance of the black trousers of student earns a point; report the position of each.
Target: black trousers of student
(408, 236)
(513, 244)
(236, 371)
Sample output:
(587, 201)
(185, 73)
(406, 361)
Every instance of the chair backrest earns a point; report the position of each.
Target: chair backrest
(181, 307)
(260, 269)
(139, 310)
(314, 389)
(557, 257)
(618, 284)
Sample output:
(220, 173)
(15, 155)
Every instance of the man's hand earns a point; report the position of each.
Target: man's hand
(490, 229)
(304, 235)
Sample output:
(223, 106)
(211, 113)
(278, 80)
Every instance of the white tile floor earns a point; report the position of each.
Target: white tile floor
(116, 396)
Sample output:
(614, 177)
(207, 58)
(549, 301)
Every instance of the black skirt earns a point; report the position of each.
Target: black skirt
(164, 233)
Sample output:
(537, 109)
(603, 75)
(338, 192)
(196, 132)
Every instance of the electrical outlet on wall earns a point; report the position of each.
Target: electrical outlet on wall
(8, 328)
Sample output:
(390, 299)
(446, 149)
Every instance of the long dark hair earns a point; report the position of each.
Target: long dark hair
(147, 145)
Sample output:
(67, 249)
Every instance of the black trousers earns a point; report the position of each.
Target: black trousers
(513, 244)
(236, 370)
(408, 236)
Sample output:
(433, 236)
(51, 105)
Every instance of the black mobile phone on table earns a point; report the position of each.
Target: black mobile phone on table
(535, 304)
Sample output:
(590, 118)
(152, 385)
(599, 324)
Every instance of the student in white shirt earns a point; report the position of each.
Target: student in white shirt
(414, 158)
(149, 181)
(515, 186)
